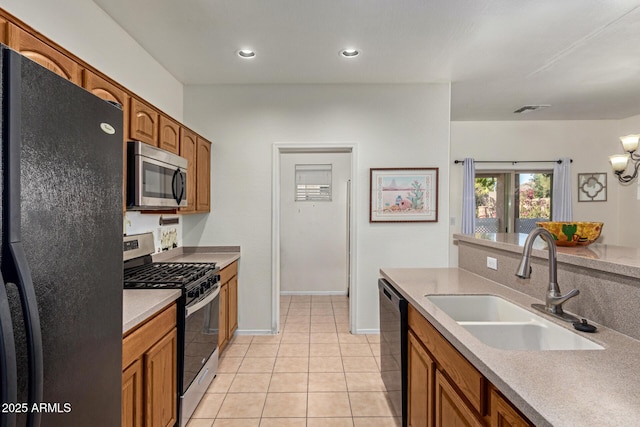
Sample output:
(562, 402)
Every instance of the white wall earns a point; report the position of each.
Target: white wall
(629, 201)
(313, 234)
(393, 125)
(587, 142)
(84, 29)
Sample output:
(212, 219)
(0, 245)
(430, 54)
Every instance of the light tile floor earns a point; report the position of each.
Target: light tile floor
(313, 374)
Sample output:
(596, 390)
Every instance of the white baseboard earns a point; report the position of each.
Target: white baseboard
(366, 331)
(313, 292)
(254, 332)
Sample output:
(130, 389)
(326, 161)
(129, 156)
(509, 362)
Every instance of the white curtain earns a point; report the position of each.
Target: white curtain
(562, 210)
(469, 197)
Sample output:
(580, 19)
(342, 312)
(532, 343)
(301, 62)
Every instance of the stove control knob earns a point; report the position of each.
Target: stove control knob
(194, 293)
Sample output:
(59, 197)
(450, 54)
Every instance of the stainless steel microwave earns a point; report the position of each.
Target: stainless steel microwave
(156, 179)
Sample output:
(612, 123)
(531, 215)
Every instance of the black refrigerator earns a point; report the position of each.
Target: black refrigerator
(61, 252)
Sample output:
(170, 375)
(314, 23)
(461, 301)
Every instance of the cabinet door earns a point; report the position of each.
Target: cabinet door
(464, 375)
(161, 391)
(203, 175)
(420, 385)
(132, 408)
(45, 55)
(3, 30)
(503, 414)
(110, 92)
(233, 306)
(224, 302)
(451, 409)
(188, 144)
(169, 135)
(143, 125)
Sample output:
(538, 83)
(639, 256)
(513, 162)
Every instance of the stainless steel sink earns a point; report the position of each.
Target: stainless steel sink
(502, 324)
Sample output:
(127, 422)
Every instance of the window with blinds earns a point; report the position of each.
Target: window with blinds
(313, 183)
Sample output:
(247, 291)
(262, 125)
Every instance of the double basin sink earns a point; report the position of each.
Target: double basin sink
(504, 325)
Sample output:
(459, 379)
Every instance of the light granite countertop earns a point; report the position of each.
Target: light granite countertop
(141, 304)
(552, 388)
(609, 258)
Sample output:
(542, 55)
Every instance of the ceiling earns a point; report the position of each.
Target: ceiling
(580, 56)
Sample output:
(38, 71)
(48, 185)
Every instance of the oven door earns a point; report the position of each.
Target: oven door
(200, 349)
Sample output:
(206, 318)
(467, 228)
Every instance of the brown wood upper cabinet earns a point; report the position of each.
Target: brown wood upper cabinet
(188, 144)
(3, 30)
(42, 53)
(106, 90)
(169, 135)
(143, 125)
(142, 122)
(203, 175)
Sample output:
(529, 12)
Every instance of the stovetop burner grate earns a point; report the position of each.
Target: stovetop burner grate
(165, 274)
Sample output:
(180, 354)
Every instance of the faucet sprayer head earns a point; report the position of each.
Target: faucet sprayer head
(524, 269)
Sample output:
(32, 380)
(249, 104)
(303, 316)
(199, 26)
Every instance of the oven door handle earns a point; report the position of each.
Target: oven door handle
(198, 305)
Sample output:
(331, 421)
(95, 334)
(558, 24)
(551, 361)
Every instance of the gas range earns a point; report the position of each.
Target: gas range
(140, 272)
(198, 314)
(195, 279)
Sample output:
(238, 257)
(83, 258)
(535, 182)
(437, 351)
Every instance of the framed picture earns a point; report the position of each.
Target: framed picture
(403, 195)
(592, 187)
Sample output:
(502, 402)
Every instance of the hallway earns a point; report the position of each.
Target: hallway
(313, 374)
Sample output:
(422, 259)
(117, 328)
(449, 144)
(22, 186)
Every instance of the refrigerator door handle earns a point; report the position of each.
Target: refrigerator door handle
(19, 273)
(34, 333)
(174, 187)
(8, 368)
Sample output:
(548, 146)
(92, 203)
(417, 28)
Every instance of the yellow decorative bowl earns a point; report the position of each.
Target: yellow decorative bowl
(573, 233)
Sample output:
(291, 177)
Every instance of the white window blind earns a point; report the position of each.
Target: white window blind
(313, 183)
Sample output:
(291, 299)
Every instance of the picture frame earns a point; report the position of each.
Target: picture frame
(403, 195)
(592, 187)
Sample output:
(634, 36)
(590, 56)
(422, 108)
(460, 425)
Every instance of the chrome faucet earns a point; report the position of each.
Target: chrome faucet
(554, 299)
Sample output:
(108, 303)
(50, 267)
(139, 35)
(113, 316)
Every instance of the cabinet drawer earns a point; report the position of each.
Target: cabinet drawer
(469, 379)
(228, 272)
(139, 341)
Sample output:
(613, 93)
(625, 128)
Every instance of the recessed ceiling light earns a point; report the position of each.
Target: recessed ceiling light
(349, 53)
(246, 53)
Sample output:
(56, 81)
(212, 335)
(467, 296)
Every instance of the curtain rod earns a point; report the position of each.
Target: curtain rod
(513, 162)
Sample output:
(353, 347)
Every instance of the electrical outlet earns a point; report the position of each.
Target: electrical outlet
(492, 263)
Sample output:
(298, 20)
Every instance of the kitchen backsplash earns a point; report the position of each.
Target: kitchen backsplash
(165, 236)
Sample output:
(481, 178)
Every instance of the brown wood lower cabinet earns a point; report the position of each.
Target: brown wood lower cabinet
(149, 377)
(421, 376)
(132, 392)
(503, 414)
(445, 389)
(450, 408)
(228, 304)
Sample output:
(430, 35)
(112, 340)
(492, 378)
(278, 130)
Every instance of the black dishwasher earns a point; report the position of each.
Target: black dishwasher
(393, 346)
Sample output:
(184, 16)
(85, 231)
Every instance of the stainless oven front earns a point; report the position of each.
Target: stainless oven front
(200, 361)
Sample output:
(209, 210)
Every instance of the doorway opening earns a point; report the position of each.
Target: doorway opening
(313, 230)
